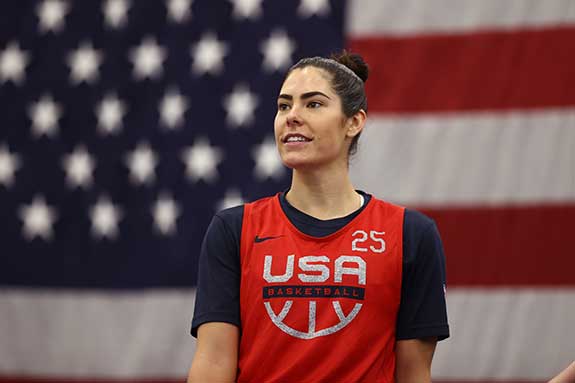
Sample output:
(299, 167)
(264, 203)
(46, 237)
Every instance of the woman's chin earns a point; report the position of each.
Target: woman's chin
(299, 163)
(295, 163)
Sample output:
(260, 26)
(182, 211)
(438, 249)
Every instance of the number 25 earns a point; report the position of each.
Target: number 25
(360, 236)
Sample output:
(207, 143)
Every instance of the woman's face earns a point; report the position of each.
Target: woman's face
(310, 127)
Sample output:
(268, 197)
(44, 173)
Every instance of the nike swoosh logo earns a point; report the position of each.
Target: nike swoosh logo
(262, 239)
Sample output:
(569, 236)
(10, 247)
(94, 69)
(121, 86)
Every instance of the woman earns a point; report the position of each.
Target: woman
(321, 283)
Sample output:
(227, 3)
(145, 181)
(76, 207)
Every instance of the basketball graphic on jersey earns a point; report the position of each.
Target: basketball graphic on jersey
(332, 292)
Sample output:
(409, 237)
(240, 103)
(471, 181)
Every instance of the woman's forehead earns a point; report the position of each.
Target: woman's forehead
(307, 79)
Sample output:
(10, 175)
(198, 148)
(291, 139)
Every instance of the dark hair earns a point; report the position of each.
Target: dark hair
(349, 73)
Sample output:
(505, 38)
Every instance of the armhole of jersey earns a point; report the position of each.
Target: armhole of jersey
(401, 263)
(245, 227)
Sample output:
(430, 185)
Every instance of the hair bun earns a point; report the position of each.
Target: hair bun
(354, 62)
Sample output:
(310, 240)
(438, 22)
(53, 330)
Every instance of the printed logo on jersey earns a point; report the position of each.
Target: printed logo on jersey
(259, 239)
(341, 279)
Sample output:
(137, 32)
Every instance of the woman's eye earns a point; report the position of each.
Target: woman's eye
(314, 104)
(283, 106)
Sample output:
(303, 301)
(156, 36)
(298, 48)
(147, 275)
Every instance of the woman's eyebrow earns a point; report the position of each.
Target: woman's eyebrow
(313, 94)
(305, 95)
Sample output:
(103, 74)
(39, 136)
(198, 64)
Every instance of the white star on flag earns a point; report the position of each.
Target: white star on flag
(179, 10)
(232, 198)
(45, 115)
(247, 9)
(9, 163)
(201, 160)
(84, 63)
(165, 212)
(172, 109)
(277, 51)
(116, 12)
(13, 63)
(51, 15)
(38, 219)
(110, 112)
(240, 106)
(268, 160)
(148, 59)
(142, 162)
(308, 8)
(79, 166)
(208, 55)
(105, 217)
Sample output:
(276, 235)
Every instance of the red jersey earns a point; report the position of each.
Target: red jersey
(319, 309)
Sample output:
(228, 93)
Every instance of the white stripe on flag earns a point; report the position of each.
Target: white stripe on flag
(392, 17)
(504, 334)
(496, 333)
(475, 158)
(96, 334)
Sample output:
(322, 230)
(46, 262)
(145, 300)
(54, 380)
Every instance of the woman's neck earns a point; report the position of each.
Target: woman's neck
(323, 195)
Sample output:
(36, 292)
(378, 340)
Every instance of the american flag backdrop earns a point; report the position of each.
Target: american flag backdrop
(125, 125)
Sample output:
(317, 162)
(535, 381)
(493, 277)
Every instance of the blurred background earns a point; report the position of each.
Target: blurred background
(125, 125)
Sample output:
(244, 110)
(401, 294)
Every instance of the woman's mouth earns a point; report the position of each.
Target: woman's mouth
(295, 139)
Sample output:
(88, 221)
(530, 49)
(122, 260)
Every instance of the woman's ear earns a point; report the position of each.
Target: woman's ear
(356, 123)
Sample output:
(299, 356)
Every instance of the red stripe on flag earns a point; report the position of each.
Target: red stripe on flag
(511, 246)
(465, 72)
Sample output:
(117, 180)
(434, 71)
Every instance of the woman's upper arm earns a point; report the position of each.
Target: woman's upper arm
(423, 310)
(216, 314)
(413, 360)
(218, 288)
(216, 357)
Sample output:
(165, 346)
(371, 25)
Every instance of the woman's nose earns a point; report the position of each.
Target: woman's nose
(293, 117)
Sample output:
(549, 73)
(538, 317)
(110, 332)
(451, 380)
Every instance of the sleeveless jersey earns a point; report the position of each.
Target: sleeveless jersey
(319, 309)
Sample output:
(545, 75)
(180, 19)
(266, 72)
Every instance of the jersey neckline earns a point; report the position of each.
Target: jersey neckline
(342, 223)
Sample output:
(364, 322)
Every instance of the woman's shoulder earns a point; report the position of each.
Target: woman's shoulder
(416, 220)
(231, 213)
(413, 219)
(231, 218)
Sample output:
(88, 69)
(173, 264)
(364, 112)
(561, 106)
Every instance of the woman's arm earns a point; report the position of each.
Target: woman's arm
(413, 360)
(565, 376)
(216, 357)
